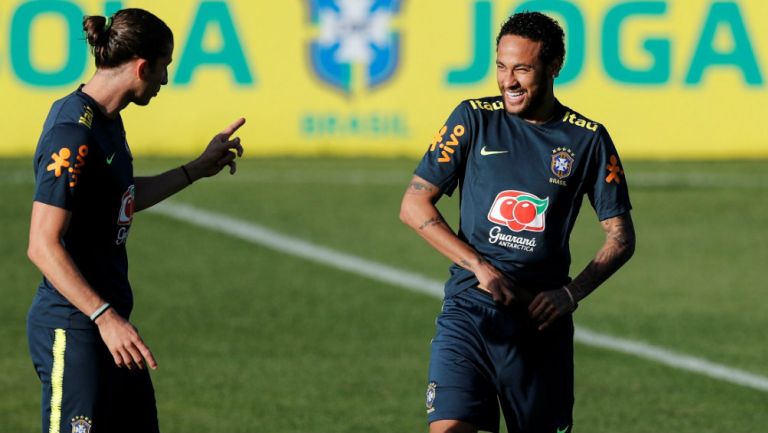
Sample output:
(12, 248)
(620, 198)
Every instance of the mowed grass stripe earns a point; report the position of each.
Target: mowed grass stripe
(638, 179)
(415, 282)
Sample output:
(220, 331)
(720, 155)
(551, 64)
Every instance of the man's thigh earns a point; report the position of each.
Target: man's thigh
(535, 380)
(460, 386)
(83, 390)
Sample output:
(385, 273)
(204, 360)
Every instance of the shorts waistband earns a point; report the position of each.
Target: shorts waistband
(483, 297)
(478, 295)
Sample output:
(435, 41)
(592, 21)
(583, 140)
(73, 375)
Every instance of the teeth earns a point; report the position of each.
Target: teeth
(515, 94)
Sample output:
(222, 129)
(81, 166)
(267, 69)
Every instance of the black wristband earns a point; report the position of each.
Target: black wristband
(186, 174)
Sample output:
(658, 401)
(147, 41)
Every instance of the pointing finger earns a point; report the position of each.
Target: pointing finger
(229, 130)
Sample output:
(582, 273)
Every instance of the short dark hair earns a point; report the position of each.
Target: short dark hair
(127, 34)
(539, 28)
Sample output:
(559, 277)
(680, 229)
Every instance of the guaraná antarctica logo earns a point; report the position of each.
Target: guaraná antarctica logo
(519, 211)
(352, 33)
(125, 217)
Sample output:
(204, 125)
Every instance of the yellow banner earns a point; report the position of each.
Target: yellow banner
(669, 79)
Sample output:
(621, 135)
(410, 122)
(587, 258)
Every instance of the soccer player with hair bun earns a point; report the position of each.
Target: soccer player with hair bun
(90, 359)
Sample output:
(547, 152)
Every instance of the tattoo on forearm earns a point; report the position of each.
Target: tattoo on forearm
(419, 186)
(432, 221)
(466, 264)
(617, 250)
(622, 234)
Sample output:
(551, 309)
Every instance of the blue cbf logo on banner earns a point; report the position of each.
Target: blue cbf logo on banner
(354, 32)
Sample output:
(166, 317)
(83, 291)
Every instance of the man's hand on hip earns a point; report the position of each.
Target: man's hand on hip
(549, 305)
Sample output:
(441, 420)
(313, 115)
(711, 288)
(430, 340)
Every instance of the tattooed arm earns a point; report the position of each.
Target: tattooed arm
(418, 211)
(618, 248)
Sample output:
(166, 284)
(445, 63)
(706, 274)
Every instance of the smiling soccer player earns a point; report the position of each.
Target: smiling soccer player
(523, 163)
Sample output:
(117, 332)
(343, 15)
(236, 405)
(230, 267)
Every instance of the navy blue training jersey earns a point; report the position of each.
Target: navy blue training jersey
(83, 164)
(522, 186)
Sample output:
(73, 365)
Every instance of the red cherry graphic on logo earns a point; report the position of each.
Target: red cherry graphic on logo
(130, 207)
(524, 212)
(507, 209)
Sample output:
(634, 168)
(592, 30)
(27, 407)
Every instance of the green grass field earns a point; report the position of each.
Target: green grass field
(251, 340)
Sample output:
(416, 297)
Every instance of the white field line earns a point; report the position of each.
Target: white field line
(398, 177)
(411, 281)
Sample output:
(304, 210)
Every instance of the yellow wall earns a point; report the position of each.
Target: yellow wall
(653, 101)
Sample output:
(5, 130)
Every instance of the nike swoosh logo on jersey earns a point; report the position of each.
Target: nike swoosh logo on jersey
(486, 152)
(111, 157)
(563, 430)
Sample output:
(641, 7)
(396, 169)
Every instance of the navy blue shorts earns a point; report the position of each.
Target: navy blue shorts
(485, 357)
(83, 390)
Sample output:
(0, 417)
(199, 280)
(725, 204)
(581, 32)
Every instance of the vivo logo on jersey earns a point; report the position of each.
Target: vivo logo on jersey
(518, 210)
(125, 216)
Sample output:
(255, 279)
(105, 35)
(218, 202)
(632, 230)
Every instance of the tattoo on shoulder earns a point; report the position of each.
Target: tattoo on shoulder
(420, 186)
(432, 221)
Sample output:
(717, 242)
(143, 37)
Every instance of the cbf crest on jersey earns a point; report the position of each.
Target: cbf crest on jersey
(356, 46)
(562, 162)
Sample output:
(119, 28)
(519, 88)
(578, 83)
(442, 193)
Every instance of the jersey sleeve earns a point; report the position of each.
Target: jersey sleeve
(59, 165)
(608, 193)
(446, 156)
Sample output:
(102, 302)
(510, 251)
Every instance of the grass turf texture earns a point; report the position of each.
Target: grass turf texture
(252, 340)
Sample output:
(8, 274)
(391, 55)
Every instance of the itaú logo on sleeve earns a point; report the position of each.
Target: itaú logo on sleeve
(518, 210)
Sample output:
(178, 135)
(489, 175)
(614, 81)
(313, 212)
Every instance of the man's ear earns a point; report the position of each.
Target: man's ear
(554, 68)
(142, 68)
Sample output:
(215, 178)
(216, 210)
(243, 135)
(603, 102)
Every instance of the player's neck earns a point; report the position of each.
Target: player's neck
(544, 112)
(107, 89)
